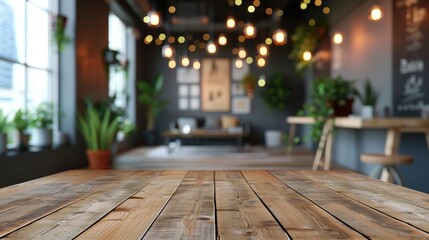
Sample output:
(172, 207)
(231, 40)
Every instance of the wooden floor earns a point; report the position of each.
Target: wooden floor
(180, 204)
(214, 158)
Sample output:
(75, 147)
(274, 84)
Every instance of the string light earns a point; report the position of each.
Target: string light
(154, 18)
(211, 47)
(279, 37)
(196, 65)
(375, 13)
(262, 49)
(306, 56)
(249, 30)
(230, 22)
(242, 53)
(260, 61)
(261, 81)
(238, 63)
(185, 61)
(172, 63)
(168, 51)
(222, 40)
(338, 38)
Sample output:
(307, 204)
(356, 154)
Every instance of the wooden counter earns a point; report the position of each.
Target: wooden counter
(394, 125)
(86, 204)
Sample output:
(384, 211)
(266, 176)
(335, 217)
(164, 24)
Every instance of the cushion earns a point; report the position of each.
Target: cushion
(229, 122)
(211, 122)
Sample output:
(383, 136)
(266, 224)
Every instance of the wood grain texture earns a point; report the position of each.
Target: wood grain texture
(132, 218)
(394, 207)
(367, 221)
(23, 193)
(240, 214)
(299, 216)
(68, 222)
(20, 216)
(190, 213)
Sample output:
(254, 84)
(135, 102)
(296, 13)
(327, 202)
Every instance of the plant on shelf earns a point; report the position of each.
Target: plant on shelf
(368, 98)
(249, 82)
(306, 38)
(4, 127)
(150, 97)
(41, 125)
(99, 133)
(59, 23)
(329, 97)
(20, 123)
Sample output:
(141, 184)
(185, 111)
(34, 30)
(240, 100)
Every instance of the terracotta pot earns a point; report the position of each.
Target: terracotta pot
(99, 159)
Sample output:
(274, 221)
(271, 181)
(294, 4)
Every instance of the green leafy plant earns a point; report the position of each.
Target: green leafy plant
(276, 93)
(98, 131)
(4, 123)
(369, 96)
(43, 117)
(21, 120)
(306, 38)
(325, 92)
(150, 97)
(59, 24)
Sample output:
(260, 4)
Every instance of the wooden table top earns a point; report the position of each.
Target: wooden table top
(116, 204)
(205, 133)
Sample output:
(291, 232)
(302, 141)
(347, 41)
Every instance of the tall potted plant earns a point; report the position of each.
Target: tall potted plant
(99, 132)
(369, 99)
(41, 125)
(150, 97)
(276, 95)
(4, 126)
(20, 123)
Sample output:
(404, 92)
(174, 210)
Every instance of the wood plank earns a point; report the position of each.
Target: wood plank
(300, 217)
(394, 207)
(394, 191)
(190, 212)
(367, 221)
(132, 218)
(20, 216)
(300, 120)
(20, 194)
(388, 122)
(70, 221)
(240, 214)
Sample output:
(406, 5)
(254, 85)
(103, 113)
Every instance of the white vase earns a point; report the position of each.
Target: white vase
(41, 137)
(367, 111)
(273, 138)
(3, 143)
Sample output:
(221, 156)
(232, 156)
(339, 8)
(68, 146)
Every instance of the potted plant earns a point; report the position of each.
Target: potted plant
(41, 125)
(249, 83)
(20, 122)
(59, 23)
(150, 97)
(4, 126)
(99, 132)
(369, 99)
(276, 95)
(329, 97)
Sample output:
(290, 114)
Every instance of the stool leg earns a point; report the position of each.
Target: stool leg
(396, 175)
(386, 176)
(376, 172)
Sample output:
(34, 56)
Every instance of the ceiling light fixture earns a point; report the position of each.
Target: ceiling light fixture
(230, 22)
(154, 18)
(249, 30)
(262, 49)
(375, 13)
(222, 40)
(279, 37)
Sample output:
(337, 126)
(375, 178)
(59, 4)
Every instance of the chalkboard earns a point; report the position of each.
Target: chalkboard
(410, 57)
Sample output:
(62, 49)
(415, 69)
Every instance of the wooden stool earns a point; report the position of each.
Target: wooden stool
(387, 170)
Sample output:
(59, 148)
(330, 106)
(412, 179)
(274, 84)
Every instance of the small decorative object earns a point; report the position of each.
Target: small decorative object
(368, 99)
(110, 56)
(59, 24)
(99, 131)
(4, 126)
(249, 83)
(20, 123)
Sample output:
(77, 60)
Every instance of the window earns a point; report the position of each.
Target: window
(118, 72)
(26, 54)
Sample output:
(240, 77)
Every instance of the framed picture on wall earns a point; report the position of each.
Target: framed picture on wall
(238, 73)
(187, 75)
(215, 85)
(241, 105)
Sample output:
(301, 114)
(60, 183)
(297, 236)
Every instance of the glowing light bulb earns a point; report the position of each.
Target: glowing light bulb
(172, 63)
(196, 65)
(211, 47)
(238, 63)
(222, 40)
(249, 30)
(375, 13)
(262, 49)
(230, 22)
(154, 18)
(242, 53)
(338, 38)
(260, 61)
(168, 51)
(185, 61)
(261, 81)
(306, 56)
(279, 37)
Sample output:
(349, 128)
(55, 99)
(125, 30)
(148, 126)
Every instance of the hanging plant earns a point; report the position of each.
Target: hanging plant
(59, 23)
(306, 38)
(249, 83)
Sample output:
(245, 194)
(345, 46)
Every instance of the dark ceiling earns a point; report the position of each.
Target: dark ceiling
(200, 15)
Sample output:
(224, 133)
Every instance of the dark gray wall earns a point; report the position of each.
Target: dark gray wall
(261, 118)
(367, 52)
